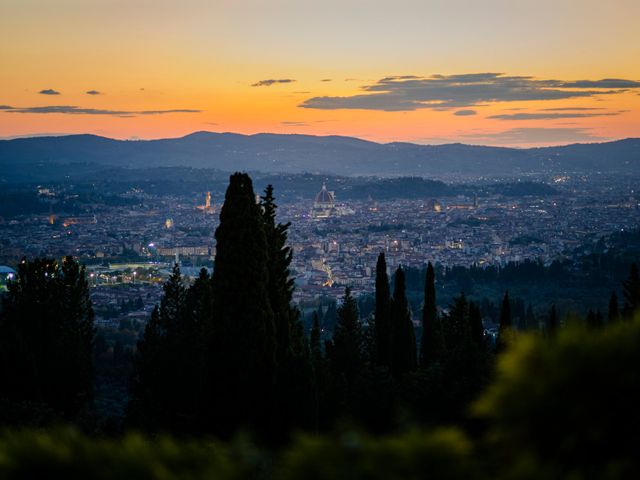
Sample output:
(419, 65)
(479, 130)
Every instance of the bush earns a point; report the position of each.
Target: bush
(67, 454)
(444, 454)
(568, 406)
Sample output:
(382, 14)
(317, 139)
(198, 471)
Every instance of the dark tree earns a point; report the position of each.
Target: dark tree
(315, 340)
(614, 313)
(382, 315)
(166, 391)
(475, 324)
(631, 292)
(346, 354)
(456, 324)
(46, 337)
(242, 345)
(552, 321)
(530, 319)
(505, 322)
(432, 344)
(280, 285)
(594, 319)
(403, 346)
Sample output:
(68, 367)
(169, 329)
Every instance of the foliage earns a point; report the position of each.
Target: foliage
(566, 407)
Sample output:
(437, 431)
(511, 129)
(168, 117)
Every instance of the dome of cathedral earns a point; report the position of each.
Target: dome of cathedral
(324, 195)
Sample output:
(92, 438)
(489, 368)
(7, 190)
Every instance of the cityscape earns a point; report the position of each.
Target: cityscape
(319, 240)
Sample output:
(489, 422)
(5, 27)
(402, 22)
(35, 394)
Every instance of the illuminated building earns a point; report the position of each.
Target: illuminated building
(85, 220)
(207, 208)
(324, 203)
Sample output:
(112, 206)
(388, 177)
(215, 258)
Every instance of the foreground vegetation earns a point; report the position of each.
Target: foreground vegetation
(559, 408)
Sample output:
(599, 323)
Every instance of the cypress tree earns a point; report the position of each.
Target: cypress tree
(505, 322)
(614, 313)
(382, 314)
(531, 319)
(280, 285)
(403, 346)
(456, 325)
(475, 323)
(594, 319)
(432, 344)
(552, 321)
(166, 391)
(631, 292)
(346, 353)
(315, 336)
(243, 345)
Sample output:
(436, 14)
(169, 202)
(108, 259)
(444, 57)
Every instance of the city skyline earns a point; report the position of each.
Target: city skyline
(416, 71)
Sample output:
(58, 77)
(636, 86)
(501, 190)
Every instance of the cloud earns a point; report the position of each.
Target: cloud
(325, 80)
(529, 136)
(548, 116)
(93, 92)
(271, 81)
(49, 91)
(74, 110)
(295, 124)
(465, 113)
(604, 83)
(442, 92)
(564, 109)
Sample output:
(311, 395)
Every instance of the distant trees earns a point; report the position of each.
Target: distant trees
(631, 292)
(46, 337)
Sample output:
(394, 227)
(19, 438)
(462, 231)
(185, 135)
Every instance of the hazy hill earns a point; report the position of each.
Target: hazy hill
(272, 153)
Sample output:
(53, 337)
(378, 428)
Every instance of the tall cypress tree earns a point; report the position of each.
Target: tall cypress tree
(614, 313)
(432, 344)
(315, 345)
(552, 321)
(382, 314)
(530, 319)
(505, 322)
(456, 325)
(166, 391)
(631, 292)
(280, 284)
(346, 352)
(475, 324)
(243, 345)
(403, 346)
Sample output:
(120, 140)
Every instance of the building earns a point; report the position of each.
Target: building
(324, 203)
(207, 208)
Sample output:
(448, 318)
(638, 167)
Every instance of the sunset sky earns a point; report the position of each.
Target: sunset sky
(516, 73)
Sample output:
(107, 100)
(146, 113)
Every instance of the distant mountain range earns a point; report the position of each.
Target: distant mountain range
(274, 153)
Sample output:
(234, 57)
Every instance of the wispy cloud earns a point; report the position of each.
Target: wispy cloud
(549, 116)
(571, 109)
(49, 91)
(443, 92)
(93, 92)
(465, 113)
(74, 110)
(294, 124)
(325, 80)
(272, 81)
(532, 136)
